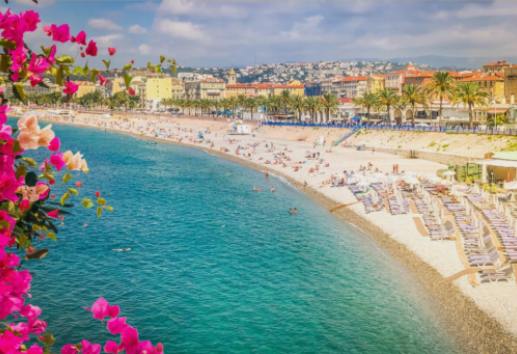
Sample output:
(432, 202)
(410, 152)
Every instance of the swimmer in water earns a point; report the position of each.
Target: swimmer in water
(293, 211)
(273, 189)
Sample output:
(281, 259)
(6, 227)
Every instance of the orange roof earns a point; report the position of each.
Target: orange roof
(264, 86)
(345, 100)
(477, 76)
(497, 63)
(352, 78)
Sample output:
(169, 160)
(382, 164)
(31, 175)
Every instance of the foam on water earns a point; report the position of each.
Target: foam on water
(216, 268)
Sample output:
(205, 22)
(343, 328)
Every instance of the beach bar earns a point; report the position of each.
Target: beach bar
(500, 167)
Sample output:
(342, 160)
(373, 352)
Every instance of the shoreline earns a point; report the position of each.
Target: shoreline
(473, 329)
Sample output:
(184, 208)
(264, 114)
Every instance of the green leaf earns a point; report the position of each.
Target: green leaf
(162, 59)
(127, 80)
(21, 171)
(127, 67)
(93, 74)
(108, 208)
(31, 162)
(78, 71)
(64, 198)
(87, 203)
(39, 254)
(7, 44)
(99, 212)
(31, 179)
(73, 191)
(67, 177)
(47, 339)
(65, 59)
(106, 63)
(59, 74)
(19, 92)
(52, 236)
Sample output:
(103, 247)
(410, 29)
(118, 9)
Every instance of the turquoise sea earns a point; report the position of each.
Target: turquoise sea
(217, 268)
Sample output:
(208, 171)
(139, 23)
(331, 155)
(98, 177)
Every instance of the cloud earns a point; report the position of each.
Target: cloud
(204, 8)
(103, 24)
(108, 39)
(180, 29)
(137, 29)
(144, 49)
(305, 28)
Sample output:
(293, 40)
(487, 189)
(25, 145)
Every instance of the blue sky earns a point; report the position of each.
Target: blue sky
(240, 32)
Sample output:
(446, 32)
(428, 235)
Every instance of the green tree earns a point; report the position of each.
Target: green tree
(413, 95)
(297, 103)
(251, 104)
(387, 98)
(442, 84)
(313, 106)
(368, 102)
(470, 95)
(329, 103)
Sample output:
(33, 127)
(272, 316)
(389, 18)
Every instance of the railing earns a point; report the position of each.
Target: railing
(458, 129)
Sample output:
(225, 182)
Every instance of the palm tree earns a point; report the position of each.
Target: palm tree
(298, 104)
(442, 84)
(330, 103)
(387, 98)
(413, 95)
(368, 101)
(313, 106)
(470, 94)
(251, 104)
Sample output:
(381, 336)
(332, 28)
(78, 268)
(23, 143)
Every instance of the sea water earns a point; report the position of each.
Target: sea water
(200, 262)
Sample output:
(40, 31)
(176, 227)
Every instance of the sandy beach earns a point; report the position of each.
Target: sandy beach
(481, 314)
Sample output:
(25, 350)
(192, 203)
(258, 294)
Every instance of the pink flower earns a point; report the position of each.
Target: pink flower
(57, 161)
(53, 213)
(129, 339)
(80, 38)
(112, 51)
(59, 33)
(52, 54)
(90, 348)
(3, 114)
(70, 88)
(111, 347)
(31, 136)
(34, 349)
(102, 309)
(31, 19)
(38, 64)
(69, 349)
(55, 144)
(35, 80)
(102, 80)
(24, 206)
(91, 49)
(116, 325)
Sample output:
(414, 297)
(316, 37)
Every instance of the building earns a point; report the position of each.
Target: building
(207, 88)
(350, 86)
(496, 67)
(395, 80)
(375, 83)
(86, 87)
(231, 77)
(510, 84)
(264, 89)
(492, 84)
(313, 89)
(178, 88)
(157, 89)
(151, 88)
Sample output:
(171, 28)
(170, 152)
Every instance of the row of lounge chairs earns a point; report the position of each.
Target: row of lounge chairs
(431, 220)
